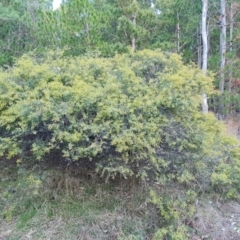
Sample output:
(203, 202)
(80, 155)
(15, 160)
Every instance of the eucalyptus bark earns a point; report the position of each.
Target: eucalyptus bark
(178, 33)
(231, 48)
(134, 22)
(87, 31)
(133, 40)
(223, 45)
(199, 47)
(205, 50)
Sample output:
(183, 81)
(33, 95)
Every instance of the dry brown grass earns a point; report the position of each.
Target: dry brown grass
(216, 221)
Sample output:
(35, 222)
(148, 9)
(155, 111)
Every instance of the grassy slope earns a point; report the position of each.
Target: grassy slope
(69, 206)
(72, 207)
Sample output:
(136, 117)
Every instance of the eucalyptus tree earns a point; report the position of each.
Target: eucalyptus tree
(205, 49)
(231, 71)
(223, 25)
(223, 36)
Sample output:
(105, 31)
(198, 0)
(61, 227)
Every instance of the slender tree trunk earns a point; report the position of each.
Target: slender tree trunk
(178, 33)
(205, 50)
(87, 32)
(223, 45)
(199, 46)
(134, 22)
(231, 48)
(133, 40)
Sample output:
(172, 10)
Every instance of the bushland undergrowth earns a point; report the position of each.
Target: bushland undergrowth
(68, 204)
(135, 115)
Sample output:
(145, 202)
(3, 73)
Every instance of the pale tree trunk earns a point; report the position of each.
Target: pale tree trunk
(231, 48)
(199, 46)
(178, 33)
(205, 50)
(87, 32)
(133, 40)
(134, 22)
(86, 26)
(223, 45)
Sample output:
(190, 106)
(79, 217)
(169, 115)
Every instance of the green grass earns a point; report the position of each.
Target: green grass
(70, 207)
(82, 210)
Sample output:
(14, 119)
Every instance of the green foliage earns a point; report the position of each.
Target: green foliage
(8, 213)
(173, 214)
(18, 32)
(219, 167)
(131, 114)
(175, 210)
(91, 107)
(226, 178)
(187, 14)
(171, 234)
(107, 26)
(74, 24)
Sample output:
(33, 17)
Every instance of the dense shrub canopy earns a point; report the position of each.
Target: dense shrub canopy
(130, 114)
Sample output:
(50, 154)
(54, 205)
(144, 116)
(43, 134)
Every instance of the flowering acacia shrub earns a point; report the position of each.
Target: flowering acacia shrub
(132, 114)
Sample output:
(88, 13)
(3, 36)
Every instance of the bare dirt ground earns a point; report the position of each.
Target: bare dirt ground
(216, 221)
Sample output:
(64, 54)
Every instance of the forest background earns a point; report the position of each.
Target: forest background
(112, 26)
